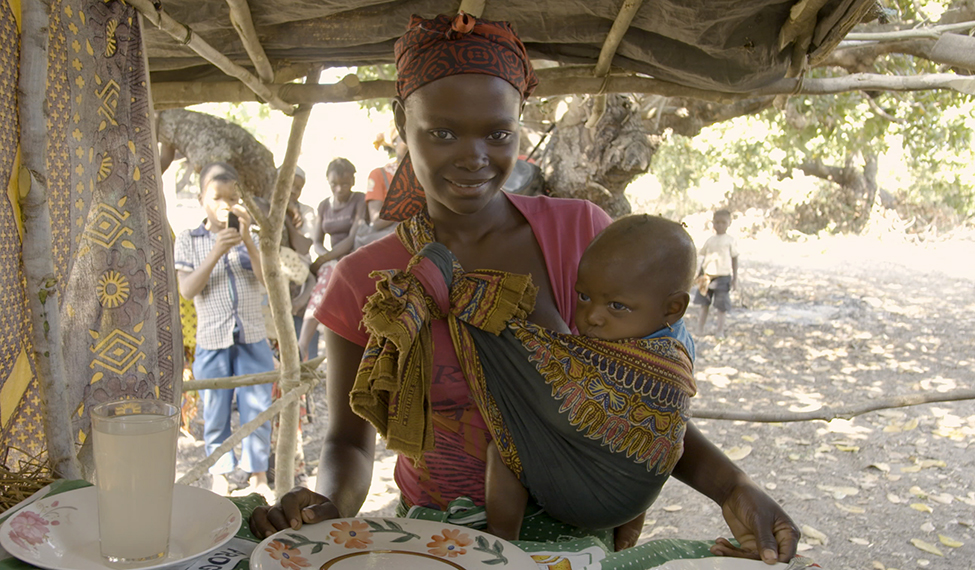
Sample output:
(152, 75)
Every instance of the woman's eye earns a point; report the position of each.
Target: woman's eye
(583, 297)
(617, 306)
(499, 136)
(442, 134)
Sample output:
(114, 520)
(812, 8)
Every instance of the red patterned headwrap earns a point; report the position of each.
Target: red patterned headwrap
(438, 48)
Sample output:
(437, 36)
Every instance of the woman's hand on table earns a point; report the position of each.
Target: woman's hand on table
(759, 524)
(298, 506)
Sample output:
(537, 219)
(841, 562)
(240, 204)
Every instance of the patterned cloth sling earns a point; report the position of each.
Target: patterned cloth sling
(593, 428)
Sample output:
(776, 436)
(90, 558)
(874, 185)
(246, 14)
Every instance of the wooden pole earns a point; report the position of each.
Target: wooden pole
(473, 7)
(622, 23)
(240, 17)
(279, 298)
(285, 400)
(183, 34)
(42, 285)
(574, 80)
(309, 372)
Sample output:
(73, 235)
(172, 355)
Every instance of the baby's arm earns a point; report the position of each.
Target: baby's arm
(505, 497)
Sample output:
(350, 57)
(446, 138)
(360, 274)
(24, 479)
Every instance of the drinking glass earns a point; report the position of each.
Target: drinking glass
(135, 466)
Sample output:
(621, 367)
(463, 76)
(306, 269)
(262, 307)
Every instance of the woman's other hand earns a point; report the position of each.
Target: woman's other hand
(759, 524)
(298, 506)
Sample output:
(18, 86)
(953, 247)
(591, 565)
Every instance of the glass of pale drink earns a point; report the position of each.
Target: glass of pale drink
(135, 465)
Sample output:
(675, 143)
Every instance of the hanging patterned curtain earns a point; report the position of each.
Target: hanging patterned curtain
(112, 248)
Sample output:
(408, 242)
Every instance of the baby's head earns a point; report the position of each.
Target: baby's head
(634, 278)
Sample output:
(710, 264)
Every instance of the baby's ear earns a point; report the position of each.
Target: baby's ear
(677, 305)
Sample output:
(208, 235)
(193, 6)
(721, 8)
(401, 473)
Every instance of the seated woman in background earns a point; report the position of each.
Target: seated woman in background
(338, 218)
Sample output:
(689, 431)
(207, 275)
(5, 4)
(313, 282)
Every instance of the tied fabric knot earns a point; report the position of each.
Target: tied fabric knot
(392, 385)
(462, 24)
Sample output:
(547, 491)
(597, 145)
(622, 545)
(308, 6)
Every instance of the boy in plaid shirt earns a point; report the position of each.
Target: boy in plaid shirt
(219, 267)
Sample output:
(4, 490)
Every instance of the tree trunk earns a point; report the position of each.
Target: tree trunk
(855, 197)
(597, 164)
(203, 139)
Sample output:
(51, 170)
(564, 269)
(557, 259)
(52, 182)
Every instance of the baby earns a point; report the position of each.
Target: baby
(632, 283)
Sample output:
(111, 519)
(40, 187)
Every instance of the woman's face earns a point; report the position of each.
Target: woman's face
(462, 133)
(341, 184)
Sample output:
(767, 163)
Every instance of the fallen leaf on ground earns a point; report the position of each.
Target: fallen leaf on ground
(738, 453)
(880, 467)
(838, 492)
(921, 507)
(851, 448)
(943, 498)
(860, 541)
(909, 425)
(911, 469)
(813, 536)
(673, 508)
(850, 508)
(928, 463)
(948, 541)
(927, 527)
(749, 438)
(969, 500)
(917, 492)
(926, 546)
(894, 498)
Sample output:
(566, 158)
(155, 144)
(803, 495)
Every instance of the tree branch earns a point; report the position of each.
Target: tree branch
(580, 81)
(827, 413)
(309, 372)
(240, 17)
(930, 32)
(42, 286)
(291, 398)
(185, 35)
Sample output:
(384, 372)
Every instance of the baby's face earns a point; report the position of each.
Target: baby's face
(616, 300)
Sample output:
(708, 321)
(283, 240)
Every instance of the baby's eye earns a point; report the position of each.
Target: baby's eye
(442, 134)
(499, 136)
(583, 297)
(617, 306)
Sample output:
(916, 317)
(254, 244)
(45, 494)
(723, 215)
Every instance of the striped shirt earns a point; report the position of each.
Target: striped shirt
(232, 298)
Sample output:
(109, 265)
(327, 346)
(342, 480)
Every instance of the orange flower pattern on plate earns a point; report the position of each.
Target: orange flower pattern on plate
(354, 534)
(288, 557)
(449, 545)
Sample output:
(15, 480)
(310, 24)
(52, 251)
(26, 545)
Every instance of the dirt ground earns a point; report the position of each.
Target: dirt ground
(828, 323)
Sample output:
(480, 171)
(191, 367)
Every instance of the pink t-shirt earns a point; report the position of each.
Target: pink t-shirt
(563, 229)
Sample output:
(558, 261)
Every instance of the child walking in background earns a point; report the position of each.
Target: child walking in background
(719, 273)
(219, 266)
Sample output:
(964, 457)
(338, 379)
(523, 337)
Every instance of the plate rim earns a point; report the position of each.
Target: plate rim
(13, 549)
(260, 547)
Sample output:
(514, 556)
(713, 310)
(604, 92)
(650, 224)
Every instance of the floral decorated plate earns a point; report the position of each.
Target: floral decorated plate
(400, 544)
(723, 563)
(61, 532)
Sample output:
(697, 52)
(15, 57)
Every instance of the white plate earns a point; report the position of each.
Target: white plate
(719, 563)
(61, 532)
(387, 543)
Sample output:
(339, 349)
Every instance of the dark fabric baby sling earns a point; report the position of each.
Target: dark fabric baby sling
(593, 428)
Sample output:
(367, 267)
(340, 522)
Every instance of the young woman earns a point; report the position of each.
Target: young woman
(461, 87)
